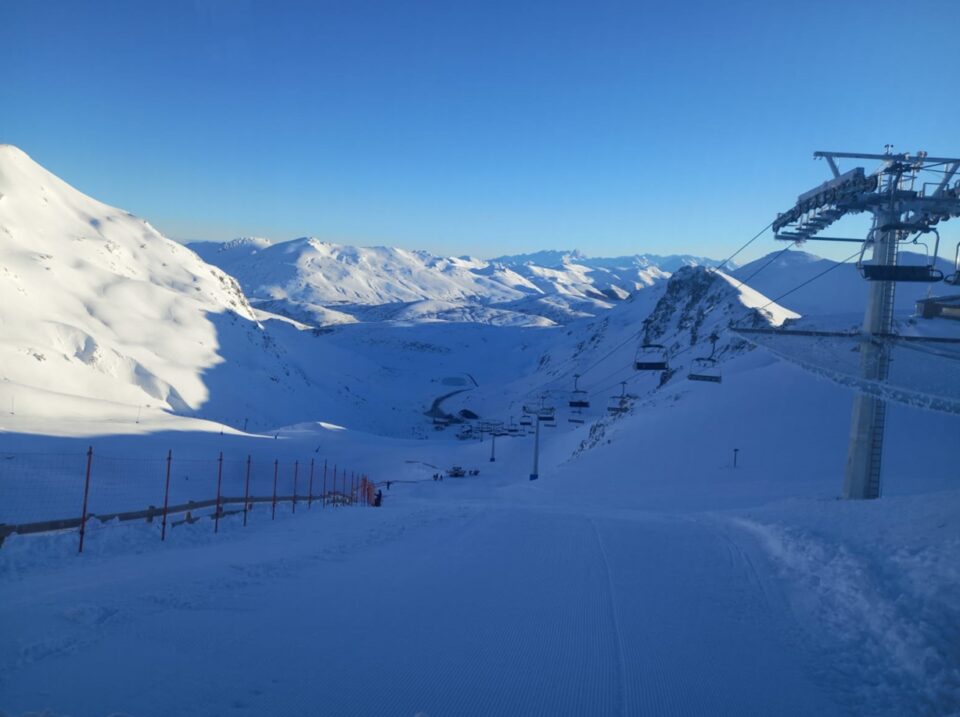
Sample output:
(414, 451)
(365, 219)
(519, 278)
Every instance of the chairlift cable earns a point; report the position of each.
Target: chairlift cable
(751, 241)
(810, 280)
(766, 264)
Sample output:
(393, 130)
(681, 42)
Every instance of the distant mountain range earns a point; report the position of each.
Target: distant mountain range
(325, 283)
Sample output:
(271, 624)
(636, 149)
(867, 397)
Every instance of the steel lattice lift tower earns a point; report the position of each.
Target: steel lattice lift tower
(904, 208)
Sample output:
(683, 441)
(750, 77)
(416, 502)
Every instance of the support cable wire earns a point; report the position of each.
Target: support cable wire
(756, 236)
(810, 280)
(603, 358)
(771, 301)
(540, 389)
(776, 256)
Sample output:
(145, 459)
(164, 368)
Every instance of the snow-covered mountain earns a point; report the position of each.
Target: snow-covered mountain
(324, 283)
(103, 317)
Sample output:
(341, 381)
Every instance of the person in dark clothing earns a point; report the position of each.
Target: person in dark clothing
(378, 499)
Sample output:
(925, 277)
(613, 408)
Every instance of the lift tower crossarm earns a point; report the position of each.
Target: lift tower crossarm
(947, 176)
(902, 157)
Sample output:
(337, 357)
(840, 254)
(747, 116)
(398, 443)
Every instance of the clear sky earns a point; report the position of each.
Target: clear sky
(473, 127)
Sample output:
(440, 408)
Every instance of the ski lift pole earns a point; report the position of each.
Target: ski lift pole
(493, 447)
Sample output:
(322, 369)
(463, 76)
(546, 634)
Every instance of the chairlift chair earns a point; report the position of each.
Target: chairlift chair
(954, 278)
(546, 414)
(706, 368)
(619, 404)
(527, 416)
(916, 273)
(651, 357)
(578, 397)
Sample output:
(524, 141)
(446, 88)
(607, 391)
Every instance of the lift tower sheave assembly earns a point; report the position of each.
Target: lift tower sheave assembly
(904, 207)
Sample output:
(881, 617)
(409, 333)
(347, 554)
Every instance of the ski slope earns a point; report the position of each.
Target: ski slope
(506, 611)
(497, 595)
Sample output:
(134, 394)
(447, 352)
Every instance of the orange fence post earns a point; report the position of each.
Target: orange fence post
(273, 510)
(246, 493)
(216, 517)
(310, 487)
(296, 470)
(86, 494)
(324, 494)
(166, 498)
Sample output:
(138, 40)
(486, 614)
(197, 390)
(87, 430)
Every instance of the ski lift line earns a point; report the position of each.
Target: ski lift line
(633, 375)
(897, 338)
(949, 355)
(634, 336)
(607, 355)
(776, 256)
(603, 358)
(756, 236)
(590, 367)
(810, 280)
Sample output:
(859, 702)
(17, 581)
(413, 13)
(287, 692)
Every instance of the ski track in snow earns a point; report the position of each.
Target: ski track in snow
(495, 611)
(614, 618)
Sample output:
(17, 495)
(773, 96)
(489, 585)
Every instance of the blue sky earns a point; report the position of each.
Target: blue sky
(472, 127)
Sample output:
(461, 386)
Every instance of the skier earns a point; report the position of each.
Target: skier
(378, 499)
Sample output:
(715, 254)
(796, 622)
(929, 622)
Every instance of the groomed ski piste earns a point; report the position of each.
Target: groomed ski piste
(642, 574)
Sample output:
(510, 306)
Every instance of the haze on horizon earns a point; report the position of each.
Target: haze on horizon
(470, 128)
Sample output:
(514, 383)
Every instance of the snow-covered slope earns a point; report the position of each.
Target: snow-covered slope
(95, 302)
(104, 318)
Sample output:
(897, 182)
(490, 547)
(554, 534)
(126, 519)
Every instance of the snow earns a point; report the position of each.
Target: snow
(837, 292)
(643, 573)
(302, 277)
